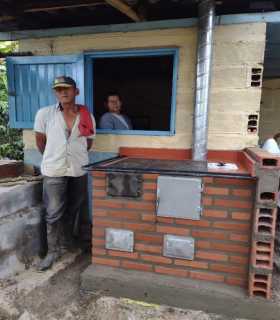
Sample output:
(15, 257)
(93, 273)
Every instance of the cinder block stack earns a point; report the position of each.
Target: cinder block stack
(267, 172)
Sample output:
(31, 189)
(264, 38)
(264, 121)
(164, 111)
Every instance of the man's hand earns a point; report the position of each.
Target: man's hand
(41, 141)
(89, 144)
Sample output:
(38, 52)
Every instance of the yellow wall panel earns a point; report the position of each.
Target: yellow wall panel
(270, 109)
(237, 49)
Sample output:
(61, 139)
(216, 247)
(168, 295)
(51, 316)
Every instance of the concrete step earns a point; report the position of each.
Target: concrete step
(209, 297)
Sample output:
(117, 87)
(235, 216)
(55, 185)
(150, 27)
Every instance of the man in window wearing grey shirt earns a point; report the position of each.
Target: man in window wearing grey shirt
(114, 119)
(64, 144)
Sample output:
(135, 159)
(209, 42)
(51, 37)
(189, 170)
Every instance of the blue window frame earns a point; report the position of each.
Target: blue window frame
(90, 57)
(30, 84)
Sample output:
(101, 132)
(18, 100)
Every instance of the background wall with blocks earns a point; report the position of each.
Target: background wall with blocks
(270, 109)
(222, 236)
(237, 50)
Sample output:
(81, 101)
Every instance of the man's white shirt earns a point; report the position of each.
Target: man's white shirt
(63, 155)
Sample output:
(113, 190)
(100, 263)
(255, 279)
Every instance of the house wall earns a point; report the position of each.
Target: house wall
(237, 49)
(270, 109)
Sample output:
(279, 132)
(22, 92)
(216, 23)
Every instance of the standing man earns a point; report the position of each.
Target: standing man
(114, 119)
(64, 133)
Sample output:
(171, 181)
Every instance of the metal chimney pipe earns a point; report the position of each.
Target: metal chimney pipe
(206, 22)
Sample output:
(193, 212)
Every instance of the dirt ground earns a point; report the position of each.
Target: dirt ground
(60, 298)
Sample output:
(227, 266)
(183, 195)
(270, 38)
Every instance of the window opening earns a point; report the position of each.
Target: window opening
(144, 85)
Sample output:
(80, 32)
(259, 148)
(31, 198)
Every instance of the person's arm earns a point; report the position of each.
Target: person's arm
(106, 122)
(92, 137)
(41, 141)
(89, 144)
(40, 130)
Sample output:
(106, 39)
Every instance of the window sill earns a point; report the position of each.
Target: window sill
(135, 132)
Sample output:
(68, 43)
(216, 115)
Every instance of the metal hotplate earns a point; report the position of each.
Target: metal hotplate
(173, 167)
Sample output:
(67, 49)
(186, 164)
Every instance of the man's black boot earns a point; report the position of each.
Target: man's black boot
(53, 247)
(66, 239)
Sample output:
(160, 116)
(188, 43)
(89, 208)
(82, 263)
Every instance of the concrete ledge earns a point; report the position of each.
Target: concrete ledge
(19, 197)
(21, 241)
(177, 292)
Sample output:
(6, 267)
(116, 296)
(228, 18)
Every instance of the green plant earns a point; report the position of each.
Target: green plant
(11, 145)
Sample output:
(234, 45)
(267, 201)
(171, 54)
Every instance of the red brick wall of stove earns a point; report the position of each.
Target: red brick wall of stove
(222, 236)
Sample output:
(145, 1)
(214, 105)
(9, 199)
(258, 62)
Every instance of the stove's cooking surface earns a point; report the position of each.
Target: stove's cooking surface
(180, 167)
(150, 164)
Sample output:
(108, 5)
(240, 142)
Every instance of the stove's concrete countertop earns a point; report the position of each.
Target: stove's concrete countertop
(163, 166)
(178, 162)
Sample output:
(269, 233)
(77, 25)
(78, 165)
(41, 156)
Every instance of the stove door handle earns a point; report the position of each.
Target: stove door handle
(158, 199)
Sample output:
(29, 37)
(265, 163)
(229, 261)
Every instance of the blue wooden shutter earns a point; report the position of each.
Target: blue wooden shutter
(30, 84)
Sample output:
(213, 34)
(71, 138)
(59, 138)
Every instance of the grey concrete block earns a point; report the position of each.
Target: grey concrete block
(268, 180)
(9, 232)
(20, 240)
(19, 197)
(20, 229)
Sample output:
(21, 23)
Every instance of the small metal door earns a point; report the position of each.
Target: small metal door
(119, 239)
(178, 247)
(179, 197)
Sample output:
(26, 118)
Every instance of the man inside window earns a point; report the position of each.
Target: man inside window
(64, 134)
(114, 119)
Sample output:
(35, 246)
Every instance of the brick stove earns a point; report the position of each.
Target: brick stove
(231, 240)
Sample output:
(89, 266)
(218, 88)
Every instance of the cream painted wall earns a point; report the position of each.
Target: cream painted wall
(270, 109)
(237, 49)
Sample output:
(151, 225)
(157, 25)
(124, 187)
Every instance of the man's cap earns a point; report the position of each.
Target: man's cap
(64, 82)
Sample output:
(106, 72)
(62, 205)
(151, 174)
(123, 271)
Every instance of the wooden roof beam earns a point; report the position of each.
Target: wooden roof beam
(60, 7)
(125, 9)
(7, 18)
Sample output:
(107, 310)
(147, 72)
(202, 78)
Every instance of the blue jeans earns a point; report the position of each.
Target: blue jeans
(63, 198)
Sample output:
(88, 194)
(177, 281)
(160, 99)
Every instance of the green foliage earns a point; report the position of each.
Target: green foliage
(7, 47)
(11, 145)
